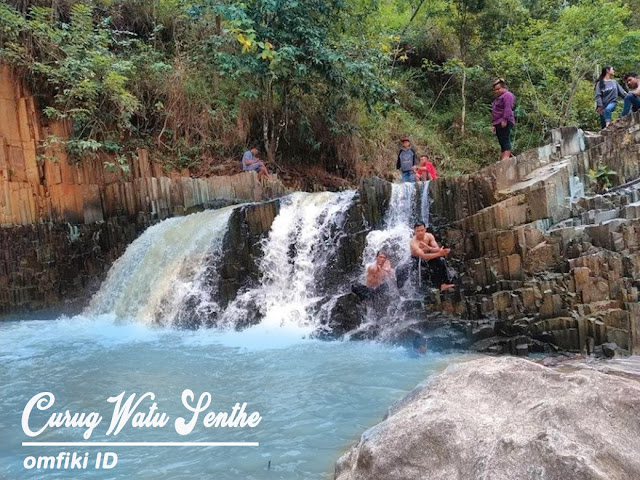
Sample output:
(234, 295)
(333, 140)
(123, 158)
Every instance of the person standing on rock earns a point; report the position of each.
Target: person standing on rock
(502, 117)
(424, 246)
(250, 163)
(407, 159)
(607, 93)
(632, 99)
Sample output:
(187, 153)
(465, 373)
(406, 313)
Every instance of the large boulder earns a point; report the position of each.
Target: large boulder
(505, 418)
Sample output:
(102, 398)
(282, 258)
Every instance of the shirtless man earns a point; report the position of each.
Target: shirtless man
(424, 246)
(379, 271)
(378, 275)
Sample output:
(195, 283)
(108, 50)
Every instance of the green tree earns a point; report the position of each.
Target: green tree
(283, 51)
(553, 64)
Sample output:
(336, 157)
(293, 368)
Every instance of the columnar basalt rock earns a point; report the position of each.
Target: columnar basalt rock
(58, 266)
(38, 182)
(55, 200)
(242, 247)
(542, 258)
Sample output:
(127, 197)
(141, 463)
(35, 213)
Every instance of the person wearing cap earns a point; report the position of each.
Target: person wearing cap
(250, 163)
(407, 159)
(502, 118)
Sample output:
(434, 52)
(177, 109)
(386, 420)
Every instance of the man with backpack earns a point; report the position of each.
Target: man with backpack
(407, 159)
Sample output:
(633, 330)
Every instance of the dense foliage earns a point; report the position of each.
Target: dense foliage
(326, 82)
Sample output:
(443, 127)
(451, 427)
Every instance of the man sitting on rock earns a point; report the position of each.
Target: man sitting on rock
(424, 246)
(632, 100)
(251, 163)
(378, 276)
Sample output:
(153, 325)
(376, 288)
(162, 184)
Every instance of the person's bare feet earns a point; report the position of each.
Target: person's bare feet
(447, 286)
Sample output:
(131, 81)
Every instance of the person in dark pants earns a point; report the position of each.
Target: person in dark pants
(502, 118)
(607, 91)
(632, 99)
(423, 246)
(407, 159)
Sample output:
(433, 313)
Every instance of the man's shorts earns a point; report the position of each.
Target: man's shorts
(254, 166)
(504, 136)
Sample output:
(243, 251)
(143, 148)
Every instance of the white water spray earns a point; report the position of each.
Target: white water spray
(394, 238)
(161, 268)
(300, 245)
(425, 203)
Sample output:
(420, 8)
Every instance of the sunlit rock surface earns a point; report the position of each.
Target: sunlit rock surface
(507, 418)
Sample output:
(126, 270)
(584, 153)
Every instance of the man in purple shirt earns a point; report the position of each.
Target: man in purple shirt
(502, 118)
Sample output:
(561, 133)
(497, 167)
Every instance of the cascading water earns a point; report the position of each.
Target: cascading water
(425, 203)
(162, 268)
(394, 238)
(165, 276)
(300, 246)
(394, 241)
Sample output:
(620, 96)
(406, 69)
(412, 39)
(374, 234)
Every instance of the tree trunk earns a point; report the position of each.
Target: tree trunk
(268, 119)
(464, 101)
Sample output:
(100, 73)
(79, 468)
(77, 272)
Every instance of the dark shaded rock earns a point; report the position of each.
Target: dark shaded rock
(345, 314)
(445, 338)
(58, 267)
(610, 349)
(375, 195)
(494, 344)
(482, 332)
(368, 332)
(242, 247)
(348, 238)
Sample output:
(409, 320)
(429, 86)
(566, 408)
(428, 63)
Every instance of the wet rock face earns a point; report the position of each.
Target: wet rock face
(237, 266)
(345, 313)
(513, 419)
(59, 267)
(375, 195)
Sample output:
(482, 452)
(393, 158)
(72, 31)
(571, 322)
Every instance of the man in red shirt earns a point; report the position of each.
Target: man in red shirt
(502, 117)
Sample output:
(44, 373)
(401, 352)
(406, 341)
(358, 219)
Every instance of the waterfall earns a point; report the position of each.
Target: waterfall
(169, 275)
(425, 203)
(394, 239)
(162, 268)
(299, 248)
